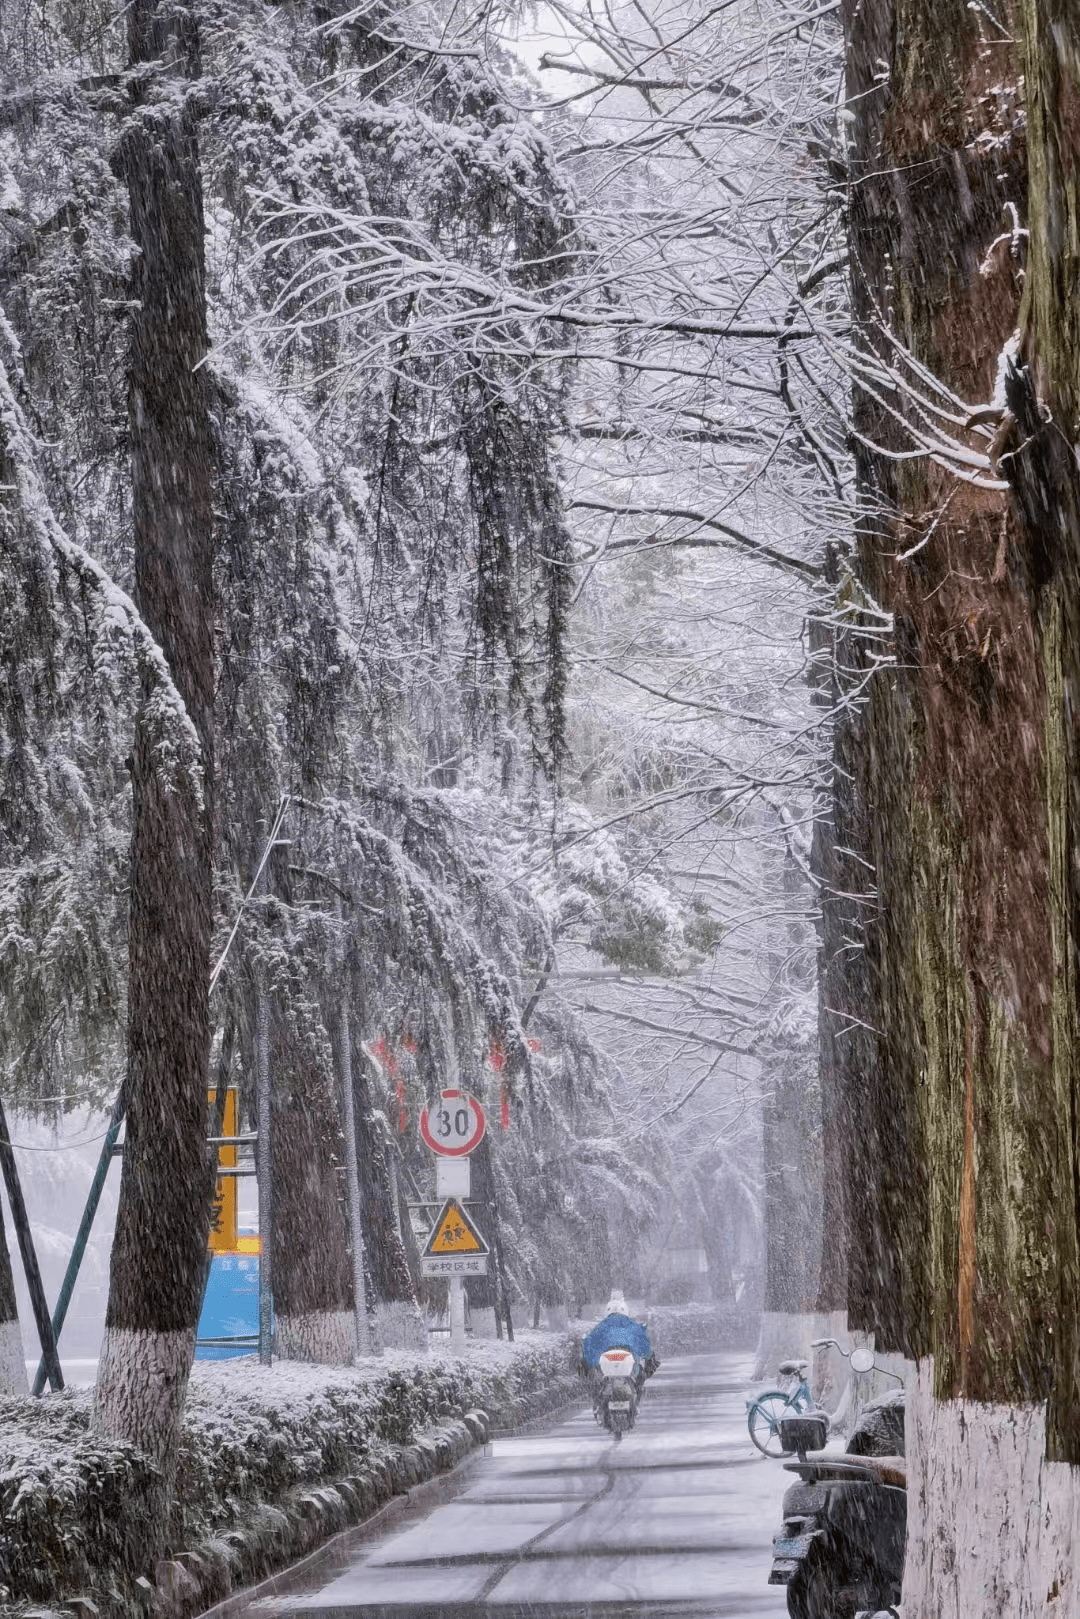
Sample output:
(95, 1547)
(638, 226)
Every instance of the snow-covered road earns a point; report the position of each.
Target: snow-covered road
(677, 1518)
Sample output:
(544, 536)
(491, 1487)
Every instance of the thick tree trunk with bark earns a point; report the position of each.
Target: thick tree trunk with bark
(719, 1231)
(967, 1233)
(846, 900)
(791, 1163)
(162, 1223)
(314, 1305)
(482, 1291)
(791, 1148)
(401, 1322)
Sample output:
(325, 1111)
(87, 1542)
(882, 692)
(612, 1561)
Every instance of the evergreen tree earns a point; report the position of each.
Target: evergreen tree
(164, 1213)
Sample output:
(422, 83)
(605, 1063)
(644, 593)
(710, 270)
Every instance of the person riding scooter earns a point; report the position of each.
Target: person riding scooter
(616, 1358)
(617, 1330)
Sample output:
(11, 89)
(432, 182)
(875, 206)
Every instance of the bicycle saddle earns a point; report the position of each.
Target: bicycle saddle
(793, 1368)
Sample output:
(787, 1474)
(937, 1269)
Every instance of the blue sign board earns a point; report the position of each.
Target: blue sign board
(229, 1324)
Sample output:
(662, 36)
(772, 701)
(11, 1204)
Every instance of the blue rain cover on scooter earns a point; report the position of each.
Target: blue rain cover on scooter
(616, 1332)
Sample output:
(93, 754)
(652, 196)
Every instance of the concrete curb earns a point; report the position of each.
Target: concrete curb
(346, 1541)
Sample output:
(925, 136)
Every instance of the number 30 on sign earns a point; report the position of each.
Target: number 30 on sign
(454, 1125)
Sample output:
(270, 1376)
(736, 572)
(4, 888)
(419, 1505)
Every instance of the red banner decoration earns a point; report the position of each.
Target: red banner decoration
(498, 1061)
(383, 1054)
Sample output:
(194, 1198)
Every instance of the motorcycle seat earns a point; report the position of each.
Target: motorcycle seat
(793, 1368)
(889, 1469)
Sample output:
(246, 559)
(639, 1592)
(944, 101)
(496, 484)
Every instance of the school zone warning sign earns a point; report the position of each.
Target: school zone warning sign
(454, 1233)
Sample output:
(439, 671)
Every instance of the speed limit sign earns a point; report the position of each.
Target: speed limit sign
(453, 1125)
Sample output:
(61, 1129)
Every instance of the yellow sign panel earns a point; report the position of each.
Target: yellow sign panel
(454, 1233)
(223, 1238)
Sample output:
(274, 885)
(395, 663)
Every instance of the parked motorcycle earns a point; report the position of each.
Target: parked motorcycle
(618, 1391)
(841, 1550)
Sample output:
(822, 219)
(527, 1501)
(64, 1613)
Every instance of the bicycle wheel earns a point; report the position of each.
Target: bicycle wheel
(763, 1421)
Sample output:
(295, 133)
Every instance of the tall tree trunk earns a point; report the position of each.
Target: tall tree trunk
(840, 862)
(367, 1341)
(313, 1286)
(968, 1255)
(791, 1164)
(717, 1194)
(954, 762)
(482, 1291)
(163, 1218)
(400, 1319)
(12, 1361)
(791, 1149)
(1040, 458)
(791, 1146)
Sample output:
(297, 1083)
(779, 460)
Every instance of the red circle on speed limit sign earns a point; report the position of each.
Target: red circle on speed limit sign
(453, 1125)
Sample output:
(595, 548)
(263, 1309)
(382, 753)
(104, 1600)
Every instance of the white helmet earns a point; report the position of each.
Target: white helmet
(616, 1304)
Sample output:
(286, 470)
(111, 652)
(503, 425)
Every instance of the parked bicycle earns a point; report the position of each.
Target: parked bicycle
(765, 1411)
(860, 1359)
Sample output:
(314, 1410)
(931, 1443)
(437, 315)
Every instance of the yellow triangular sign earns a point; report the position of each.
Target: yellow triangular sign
(454, 1232)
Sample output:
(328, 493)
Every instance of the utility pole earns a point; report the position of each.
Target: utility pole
(263, 1172)
(364, 1345)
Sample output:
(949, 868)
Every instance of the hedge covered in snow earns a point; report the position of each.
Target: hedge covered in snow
(273, 1461)
(691, 1329)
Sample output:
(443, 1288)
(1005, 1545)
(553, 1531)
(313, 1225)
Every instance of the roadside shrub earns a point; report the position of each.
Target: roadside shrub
(72, 1504)
(688, 1329)
(272, 1459)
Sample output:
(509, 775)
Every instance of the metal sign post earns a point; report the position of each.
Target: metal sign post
(263, 1104)
(457, 1314)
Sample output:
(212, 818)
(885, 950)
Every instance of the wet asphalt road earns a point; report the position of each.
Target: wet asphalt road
(676, 1519)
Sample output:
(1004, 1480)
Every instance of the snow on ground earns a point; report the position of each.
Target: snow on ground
(679, 1516)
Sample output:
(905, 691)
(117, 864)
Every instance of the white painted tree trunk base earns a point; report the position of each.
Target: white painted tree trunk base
(993, 1527)
(786, 1336)
(402, 1325)
(13, 1379)
(482, 1321)
(141, 1386)
(830, 1375)
(327, 1337)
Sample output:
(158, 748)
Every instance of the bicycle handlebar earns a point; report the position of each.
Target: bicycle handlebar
(826, 1343)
